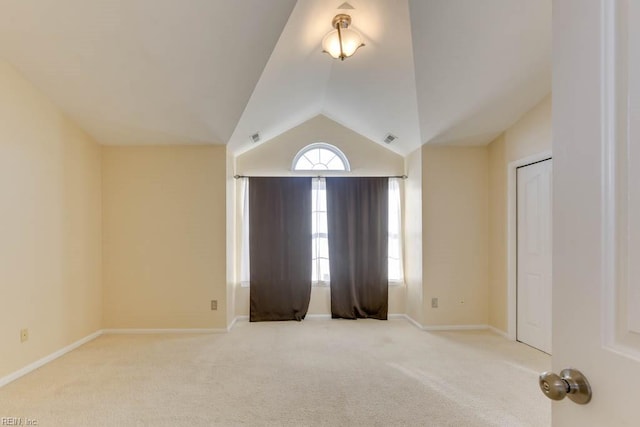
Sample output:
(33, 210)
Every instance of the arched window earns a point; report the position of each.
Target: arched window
(320, 156)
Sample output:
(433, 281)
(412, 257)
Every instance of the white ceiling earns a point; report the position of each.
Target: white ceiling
(479, 65)
(217, 71)
(145, 71)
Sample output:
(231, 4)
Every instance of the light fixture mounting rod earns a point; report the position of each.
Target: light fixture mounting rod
(341, 20)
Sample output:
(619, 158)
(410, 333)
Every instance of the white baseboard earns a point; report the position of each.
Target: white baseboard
(162, 331)
(404, 317)
(236, 320)
(455, 328)
(53, 356)
(499, 332)
(317, 317)
(232, 324)
(410, 320)
(391, 316)
(437, 328)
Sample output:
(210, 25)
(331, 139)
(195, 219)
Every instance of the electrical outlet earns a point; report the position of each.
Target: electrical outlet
(24, 335)
(434, 302)
(214, 304)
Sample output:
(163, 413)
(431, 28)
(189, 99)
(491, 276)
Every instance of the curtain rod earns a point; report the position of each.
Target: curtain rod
(321, 176)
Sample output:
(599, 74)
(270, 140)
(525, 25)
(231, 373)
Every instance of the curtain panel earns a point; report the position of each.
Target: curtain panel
(280, 248)
(358, 221)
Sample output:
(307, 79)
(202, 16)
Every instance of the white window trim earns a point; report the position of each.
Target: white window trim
(395, 204)
(245, 267)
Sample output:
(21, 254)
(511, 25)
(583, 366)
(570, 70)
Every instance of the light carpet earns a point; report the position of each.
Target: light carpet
(312, 373)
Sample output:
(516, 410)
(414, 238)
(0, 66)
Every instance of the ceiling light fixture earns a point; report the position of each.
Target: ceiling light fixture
(343, 41)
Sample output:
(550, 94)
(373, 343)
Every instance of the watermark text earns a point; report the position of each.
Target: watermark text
(18, 421)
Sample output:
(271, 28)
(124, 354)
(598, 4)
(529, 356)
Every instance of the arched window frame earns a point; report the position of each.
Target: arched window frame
(321, 145)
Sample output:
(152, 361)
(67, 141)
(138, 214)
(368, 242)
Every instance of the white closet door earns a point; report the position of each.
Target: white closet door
(534, 255)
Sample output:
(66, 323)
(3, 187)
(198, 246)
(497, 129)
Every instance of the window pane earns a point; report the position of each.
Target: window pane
(324, 267)
(321, 226)
(314, 155)
(336, 164)
(303, 164)
(394, 270)
(322, 201)
(393, 249)
(326, 155)
(323, 248)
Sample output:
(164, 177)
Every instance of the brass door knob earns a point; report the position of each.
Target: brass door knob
(570, 383)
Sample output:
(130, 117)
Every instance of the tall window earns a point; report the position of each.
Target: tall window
(326, 157)
(319, 231)
(322, 156)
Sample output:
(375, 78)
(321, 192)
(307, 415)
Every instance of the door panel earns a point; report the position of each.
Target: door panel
(534, 255)
(632, 172)
(596, 206)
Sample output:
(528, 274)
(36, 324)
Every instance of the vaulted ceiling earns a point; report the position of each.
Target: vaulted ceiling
(218, 71)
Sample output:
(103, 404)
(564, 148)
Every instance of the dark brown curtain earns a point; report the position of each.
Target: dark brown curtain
(357, 218)
(279, 248)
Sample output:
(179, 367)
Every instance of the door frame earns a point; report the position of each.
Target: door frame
(512, 237)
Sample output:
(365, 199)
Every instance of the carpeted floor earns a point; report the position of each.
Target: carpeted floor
(313, 373)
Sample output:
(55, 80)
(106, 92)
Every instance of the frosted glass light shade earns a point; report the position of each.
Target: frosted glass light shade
(351, 41)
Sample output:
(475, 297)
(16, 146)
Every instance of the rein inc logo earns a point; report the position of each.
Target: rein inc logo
(17, 421)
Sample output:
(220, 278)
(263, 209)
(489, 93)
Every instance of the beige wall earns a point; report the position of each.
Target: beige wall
(498, 234)
(413, 236)
(164, 232)
(455, 235)
(275, 158)
(529, 136)
(50, 249)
